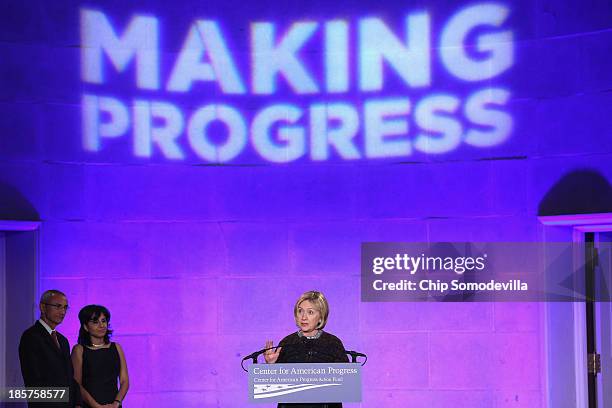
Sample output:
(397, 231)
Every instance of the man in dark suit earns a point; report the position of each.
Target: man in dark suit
(45, 354)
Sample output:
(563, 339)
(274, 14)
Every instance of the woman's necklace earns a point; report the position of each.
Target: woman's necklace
(98, 345)
(315, 336)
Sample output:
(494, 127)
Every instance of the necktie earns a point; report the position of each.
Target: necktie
(54, 335)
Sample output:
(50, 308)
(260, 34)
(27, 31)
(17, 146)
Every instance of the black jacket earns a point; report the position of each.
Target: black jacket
(43, 365)
(326, 349)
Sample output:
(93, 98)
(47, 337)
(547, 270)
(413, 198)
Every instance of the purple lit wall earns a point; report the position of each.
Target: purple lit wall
(200, 261)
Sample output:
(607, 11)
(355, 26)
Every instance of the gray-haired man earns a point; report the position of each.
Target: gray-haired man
(44, 353)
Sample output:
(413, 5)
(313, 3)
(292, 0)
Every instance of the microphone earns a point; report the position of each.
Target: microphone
(254, 355)
(259, 352)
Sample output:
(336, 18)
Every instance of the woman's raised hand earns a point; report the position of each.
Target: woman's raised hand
(271, 355)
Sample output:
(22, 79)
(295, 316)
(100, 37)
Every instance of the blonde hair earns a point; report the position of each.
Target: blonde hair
(319, 302)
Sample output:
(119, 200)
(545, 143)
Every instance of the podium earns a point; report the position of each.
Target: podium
(305, 383)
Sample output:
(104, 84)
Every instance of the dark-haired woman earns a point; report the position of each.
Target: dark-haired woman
(98, 362)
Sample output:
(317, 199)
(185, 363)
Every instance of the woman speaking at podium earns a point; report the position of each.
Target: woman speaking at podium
(310, 344)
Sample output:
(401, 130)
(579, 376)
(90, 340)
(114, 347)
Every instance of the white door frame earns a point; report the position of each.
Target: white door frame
(2, 310)
(579, 225)
(7, 226)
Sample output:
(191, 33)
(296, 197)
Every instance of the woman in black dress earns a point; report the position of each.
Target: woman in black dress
(98, 362)
(310, 344)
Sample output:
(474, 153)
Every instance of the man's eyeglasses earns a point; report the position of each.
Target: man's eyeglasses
(57, 306)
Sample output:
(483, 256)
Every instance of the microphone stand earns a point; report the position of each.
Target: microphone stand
(255, 355)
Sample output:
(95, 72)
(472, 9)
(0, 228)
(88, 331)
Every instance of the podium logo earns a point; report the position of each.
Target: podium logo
(274, 390)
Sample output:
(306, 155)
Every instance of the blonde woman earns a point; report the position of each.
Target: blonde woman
(310, 344)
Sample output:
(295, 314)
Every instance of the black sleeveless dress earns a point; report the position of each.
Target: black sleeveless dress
(100, 373)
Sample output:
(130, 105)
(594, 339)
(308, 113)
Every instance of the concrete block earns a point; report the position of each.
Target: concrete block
(397, 361)
(463, 361)
(21, 126)
(471, 398)
(188, 306)
(335, 248)
(192, 360)
(94, 250)
(574, 125)
(256, 249)
(517, 361)
(132, 303)
(181, 249)
(394, 191)
(519, 399)
(24, 191)
(150, 192)
(137, 351)
(66, 191)
(569, 17)
(506, 228)
(392, 317)
(252, 305)
(518, 317)
(233, 348)
(395, 398)
(191, 399)
(425, 316)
